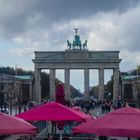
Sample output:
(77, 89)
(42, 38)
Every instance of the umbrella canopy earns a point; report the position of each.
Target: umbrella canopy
(60, 94)
(76, 108)
(53, 111)
(12, 125)
(124, 122)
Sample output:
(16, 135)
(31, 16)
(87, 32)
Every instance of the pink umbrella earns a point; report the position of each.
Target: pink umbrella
(87, 117)
(123, 122)
(76, 108)
(53, 111)
(12, 125)
(60, 94)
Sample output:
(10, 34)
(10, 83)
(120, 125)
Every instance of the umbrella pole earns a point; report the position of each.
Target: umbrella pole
(128, 138)
(47, 128)
(61, 135)
(55, 128)
(52, 127)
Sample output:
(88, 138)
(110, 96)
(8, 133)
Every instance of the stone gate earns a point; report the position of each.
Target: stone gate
(76, 56)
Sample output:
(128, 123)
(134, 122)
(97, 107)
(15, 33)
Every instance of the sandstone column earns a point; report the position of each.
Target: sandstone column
(67, 84)
(37, 96)
(52, 84)
(86, 83)
(30, 91)
(101, 84)
(123, 91)
(116, 93)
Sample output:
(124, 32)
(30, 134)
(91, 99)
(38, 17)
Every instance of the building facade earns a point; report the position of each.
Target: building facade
(131, 88)
(12, 90)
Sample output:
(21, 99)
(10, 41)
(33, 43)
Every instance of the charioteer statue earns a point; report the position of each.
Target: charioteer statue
(76, 44)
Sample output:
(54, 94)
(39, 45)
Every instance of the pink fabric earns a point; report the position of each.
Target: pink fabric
(76, 108)
(60, 90)
(53, 111)
(13, 125)
(60, 95)
(86, 116)
(123, 122)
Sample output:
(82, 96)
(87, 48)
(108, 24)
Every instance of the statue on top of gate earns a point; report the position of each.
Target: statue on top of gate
(77, 42)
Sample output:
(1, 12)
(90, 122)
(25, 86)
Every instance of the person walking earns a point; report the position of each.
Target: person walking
(50, 137)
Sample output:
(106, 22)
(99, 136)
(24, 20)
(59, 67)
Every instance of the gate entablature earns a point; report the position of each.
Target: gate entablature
(77, 59)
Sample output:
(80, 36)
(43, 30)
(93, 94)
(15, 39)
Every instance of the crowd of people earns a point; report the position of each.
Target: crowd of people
(86, 106)
(106, 105)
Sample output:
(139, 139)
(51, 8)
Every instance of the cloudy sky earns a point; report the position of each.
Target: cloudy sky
(31, 25)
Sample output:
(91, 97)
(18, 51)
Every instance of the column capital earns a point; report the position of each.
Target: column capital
(117, 69)
(101, 68)
(36, 68)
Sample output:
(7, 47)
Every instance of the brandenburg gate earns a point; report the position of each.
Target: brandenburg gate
(76, 56)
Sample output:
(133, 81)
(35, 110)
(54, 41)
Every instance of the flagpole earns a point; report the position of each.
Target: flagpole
(137, 70)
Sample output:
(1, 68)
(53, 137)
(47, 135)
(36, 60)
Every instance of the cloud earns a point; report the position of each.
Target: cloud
(104, 31)
(20, 16)
(47, 24)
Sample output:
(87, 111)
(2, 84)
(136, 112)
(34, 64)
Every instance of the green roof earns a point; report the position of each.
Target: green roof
(25, 77)
(128, 77)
